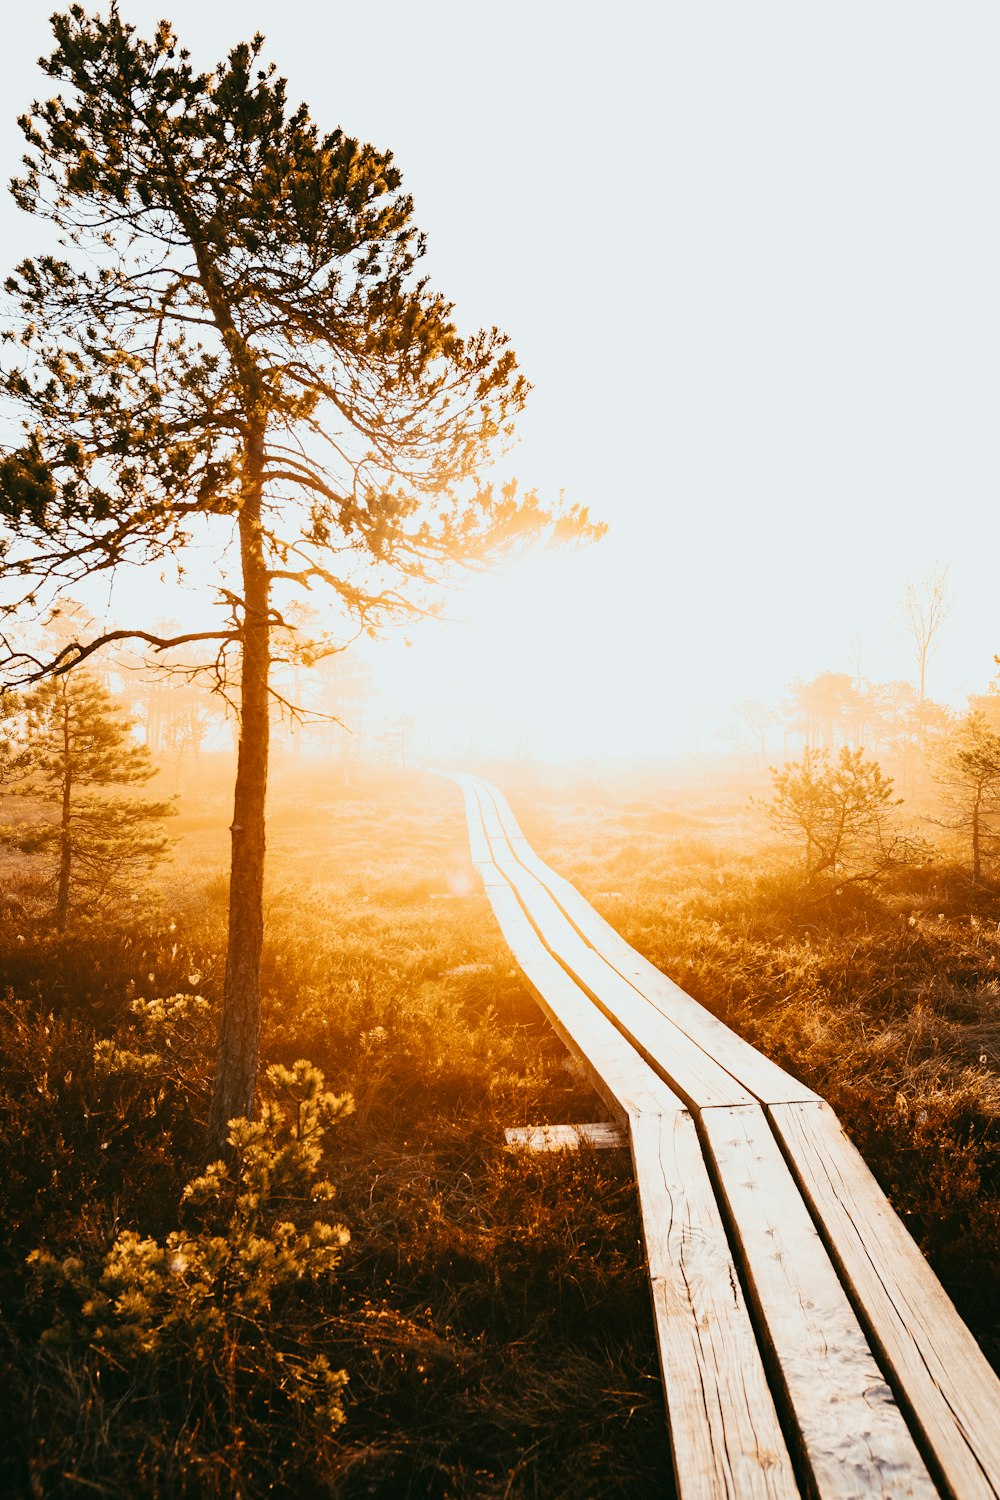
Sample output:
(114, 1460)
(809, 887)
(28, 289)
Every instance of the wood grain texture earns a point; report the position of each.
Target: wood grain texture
(840, 1295)
(613, 1068)
(724, 1429)
(599, 1136)
(852, 1434)
(725, 1432)
(935, 1363)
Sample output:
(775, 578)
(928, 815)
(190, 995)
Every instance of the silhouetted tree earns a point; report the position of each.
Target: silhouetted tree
(243, 346)
(926, 605)
(889, 709)
(346, 690)
(967, 771)
(13, 749)
(840, 815)
(174, 703)
(822, 709)
(77, 739)
(758, 719)
(988, 703)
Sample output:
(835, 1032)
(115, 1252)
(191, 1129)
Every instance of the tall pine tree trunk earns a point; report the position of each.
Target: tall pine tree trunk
(236, 1075)
(65, 844)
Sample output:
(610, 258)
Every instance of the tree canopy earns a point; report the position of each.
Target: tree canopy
(840, 815)
(237, 341)
(966, 770)
(77, 740)
(250, 301)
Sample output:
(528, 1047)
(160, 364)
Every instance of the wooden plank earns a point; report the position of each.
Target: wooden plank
(939, 1371)
(761, 1077)
(947, 1389)
(667, 1049)
(479, 848)
(614, 1070)
(850, 1430)
(599, 1136)
(725, 1434)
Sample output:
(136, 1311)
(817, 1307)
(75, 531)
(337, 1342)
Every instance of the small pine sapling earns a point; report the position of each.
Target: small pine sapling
(967, 773)
(202, 1300)
(78, 740)
(841, 816)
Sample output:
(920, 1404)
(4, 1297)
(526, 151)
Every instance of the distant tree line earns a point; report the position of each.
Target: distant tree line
(76, 748)
(836, 802)
(836, 709)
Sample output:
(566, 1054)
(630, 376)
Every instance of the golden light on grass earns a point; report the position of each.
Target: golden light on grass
(761, 331)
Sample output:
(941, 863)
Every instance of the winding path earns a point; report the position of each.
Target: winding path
(805, 1344)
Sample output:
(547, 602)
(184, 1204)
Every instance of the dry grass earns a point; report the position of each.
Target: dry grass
(486, 1299)
(885, 1001)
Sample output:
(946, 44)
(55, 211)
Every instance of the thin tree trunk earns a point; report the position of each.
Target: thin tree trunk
(236, 1076)
(976, 857)
(65, 845)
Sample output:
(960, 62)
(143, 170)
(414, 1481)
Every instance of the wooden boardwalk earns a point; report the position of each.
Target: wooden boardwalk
(806, 1346)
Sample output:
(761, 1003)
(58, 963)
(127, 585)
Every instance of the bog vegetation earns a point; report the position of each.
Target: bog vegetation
(360, 1291)
(371, 1294)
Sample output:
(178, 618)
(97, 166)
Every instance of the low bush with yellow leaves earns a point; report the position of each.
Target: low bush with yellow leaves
(226, 1304)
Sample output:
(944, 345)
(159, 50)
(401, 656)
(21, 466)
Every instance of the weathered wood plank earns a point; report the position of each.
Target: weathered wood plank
(724, 1429)
(849, 1432)
(761, 1077)
(479, 848)
(943, 1378)
(685, 1065)
(612, 1067)
(852, 1434)
(599, 1136)
(725, 1434)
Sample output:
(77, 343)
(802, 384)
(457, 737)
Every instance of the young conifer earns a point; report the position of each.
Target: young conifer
(967, 772)
(78, 741)
(840, 816)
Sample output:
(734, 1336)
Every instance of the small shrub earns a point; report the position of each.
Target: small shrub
(215, 1310)
(172, 1027)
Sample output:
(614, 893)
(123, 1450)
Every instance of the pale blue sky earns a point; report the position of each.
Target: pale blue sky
(749, 255)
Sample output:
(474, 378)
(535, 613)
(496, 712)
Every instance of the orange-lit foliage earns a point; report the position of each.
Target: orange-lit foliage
(483, 1296)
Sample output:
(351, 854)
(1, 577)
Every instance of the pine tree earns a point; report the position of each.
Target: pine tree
(967, 773)
(78, 740)
(239, 341)
(840, 815)
(13, 750)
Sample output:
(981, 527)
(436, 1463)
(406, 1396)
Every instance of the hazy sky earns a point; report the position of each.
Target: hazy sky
(749, 255)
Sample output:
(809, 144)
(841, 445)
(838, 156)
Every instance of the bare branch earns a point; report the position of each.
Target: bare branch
(73, 654)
